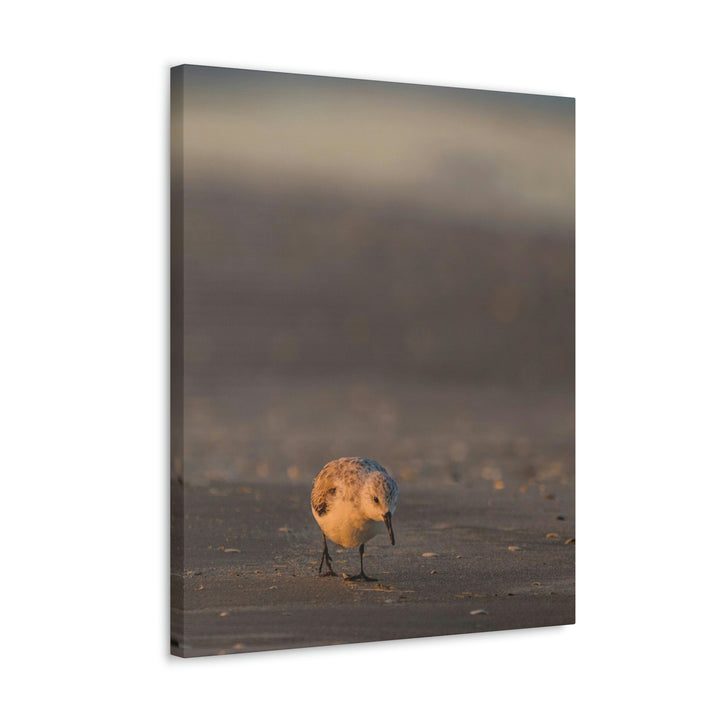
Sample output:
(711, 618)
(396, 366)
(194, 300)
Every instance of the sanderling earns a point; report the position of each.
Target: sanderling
(351, 499)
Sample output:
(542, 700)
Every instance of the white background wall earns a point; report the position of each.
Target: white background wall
(84, 367)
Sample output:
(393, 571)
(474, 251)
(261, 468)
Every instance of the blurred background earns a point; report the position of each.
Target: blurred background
(375, 269)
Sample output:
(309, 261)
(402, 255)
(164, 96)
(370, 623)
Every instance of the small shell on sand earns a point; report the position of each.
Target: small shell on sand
(232, 550)
(552, 535)
(570, 541)
(478, 612)
(514, 548)
(429, 554)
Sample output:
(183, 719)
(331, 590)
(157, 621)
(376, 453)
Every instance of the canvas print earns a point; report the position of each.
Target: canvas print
(372, 348)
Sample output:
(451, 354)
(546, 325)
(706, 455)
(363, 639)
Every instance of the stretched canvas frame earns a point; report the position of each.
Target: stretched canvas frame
(376, 270)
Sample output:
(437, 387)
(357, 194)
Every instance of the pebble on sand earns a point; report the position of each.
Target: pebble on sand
(514, 548)
(429, 554)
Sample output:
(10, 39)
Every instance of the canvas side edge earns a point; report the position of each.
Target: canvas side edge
(177, 350)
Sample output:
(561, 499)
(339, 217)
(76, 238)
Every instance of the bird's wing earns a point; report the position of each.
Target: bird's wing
(323, 492)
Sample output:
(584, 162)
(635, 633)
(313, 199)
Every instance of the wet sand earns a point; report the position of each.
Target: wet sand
(248, 579)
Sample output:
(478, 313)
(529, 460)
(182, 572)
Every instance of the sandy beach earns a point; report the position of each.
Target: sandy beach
(484, 542)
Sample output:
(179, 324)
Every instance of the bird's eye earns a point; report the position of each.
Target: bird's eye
(376, 500)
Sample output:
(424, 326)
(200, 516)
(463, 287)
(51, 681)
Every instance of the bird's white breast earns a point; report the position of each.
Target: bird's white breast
(346, 526)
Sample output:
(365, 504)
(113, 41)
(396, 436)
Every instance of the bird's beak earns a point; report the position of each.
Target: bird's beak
(387, 517)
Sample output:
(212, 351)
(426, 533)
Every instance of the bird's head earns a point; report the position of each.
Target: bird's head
(379, 500)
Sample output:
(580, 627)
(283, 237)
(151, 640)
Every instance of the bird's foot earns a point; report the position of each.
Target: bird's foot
(360, 576)
(328, 573)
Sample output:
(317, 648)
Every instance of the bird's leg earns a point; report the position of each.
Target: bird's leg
(362, 575)
(362, 571)
(325, 558)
